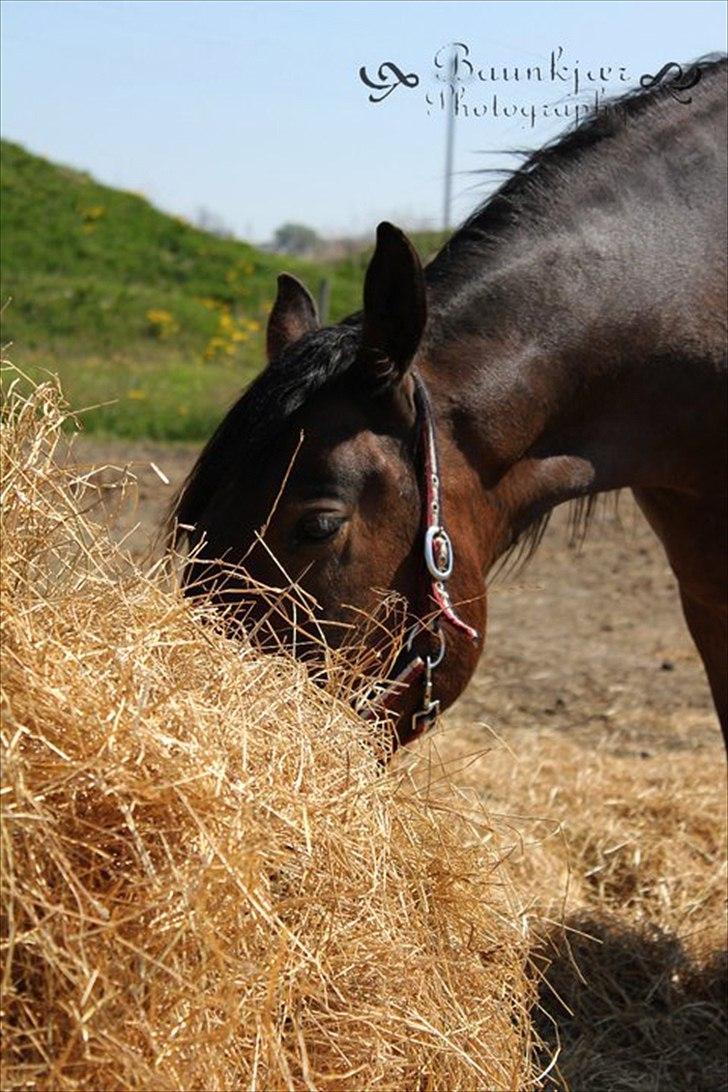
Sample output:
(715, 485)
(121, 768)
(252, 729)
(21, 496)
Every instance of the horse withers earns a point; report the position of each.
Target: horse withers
(569, 339)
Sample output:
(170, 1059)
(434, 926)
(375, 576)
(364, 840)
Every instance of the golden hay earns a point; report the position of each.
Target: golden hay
(620, 865)
(207, 881)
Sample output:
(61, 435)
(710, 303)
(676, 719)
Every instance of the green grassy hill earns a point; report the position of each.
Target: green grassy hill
(137, 308)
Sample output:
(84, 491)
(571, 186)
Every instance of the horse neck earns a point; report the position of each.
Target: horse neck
(601, 363)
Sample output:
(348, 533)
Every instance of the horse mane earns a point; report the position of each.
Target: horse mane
(505, 208)
(582, 512)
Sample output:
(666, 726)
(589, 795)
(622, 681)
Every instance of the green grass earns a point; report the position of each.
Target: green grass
(131, 307)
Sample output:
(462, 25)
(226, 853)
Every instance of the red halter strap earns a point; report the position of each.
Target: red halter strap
(439, 557)
(439, 553)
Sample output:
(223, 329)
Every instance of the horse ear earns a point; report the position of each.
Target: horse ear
(294, 314)
(394, 308)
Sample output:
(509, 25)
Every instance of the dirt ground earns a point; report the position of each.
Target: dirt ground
(589, 641)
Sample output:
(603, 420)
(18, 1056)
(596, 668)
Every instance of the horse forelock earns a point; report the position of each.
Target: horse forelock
(260, 415)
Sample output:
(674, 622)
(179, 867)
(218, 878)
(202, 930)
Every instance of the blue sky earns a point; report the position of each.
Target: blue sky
(256, 112)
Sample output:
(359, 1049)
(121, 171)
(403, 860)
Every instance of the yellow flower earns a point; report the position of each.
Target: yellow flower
(92, 212)
(162, 324)
(137, 394)
(214, 346)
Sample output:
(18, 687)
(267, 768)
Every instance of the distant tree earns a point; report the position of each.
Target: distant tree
(212, 223)
(295, 239)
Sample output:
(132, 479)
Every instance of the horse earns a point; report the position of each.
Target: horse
(568, 340)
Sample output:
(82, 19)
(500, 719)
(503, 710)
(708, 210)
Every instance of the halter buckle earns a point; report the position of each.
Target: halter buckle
(439, 554)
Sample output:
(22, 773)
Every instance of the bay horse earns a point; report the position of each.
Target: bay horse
(568, 340)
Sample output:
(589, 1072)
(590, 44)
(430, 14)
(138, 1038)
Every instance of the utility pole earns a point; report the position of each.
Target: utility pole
(449, 145)
(324, 300)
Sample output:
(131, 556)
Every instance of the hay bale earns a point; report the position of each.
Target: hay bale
(207, 882)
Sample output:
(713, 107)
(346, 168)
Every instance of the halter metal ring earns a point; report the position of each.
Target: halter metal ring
(433, 662)
(438, 571)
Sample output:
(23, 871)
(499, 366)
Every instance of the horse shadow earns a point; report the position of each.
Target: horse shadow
(626, 1008)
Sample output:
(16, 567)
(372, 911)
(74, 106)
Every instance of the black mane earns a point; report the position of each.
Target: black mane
(260, 414)
(541, 171)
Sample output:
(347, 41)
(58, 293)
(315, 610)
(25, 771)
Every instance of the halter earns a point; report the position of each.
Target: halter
(439, 558)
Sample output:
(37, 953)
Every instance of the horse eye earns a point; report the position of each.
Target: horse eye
(318, 527)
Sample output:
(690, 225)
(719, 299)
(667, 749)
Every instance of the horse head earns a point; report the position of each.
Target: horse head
(329, 474)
